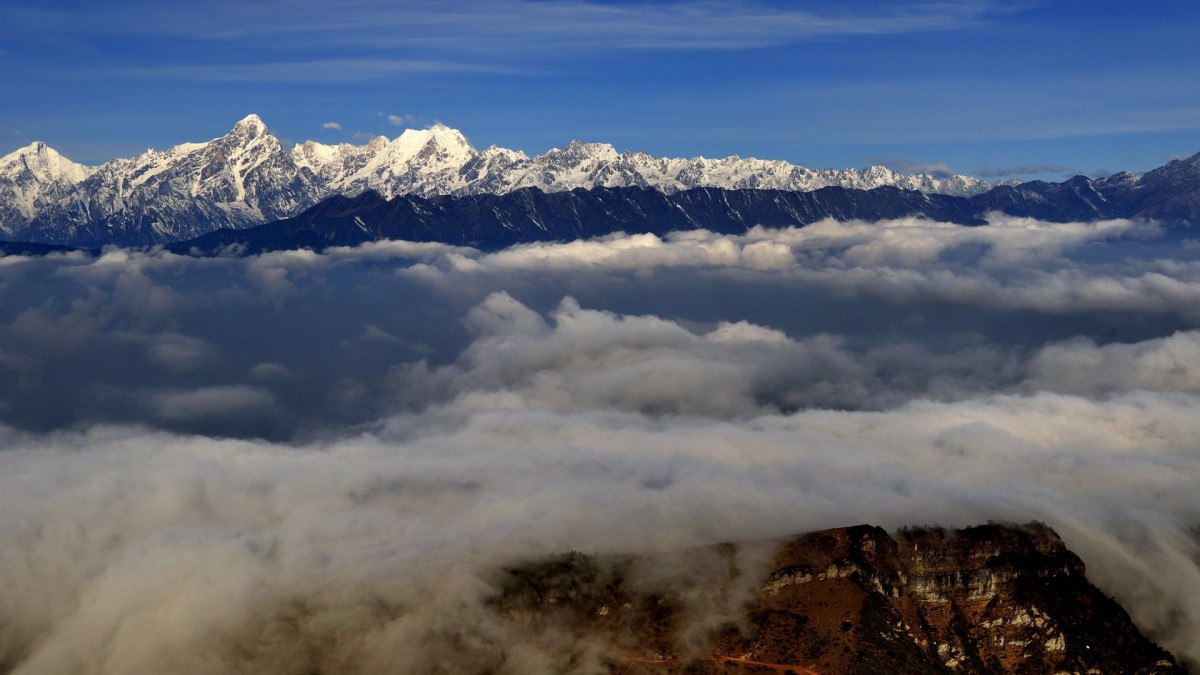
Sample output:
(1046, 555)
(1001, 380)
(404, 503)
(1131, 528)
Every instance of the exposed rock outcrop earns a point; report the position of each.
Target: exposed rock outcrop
(987, 599)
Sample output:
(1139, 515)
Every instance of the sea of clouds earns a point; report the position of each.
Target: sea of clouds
(301, 462)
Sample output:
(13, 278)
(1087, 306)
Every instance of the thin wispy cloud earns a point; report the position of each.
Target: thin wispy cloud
(812, 83)
(985, 171)
(326, 71)
(940, 169)
(489, 25)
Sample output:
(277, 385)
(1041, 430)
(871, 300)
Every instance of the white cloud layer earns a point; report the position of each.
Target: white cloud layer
(300, 462)
(133, 551)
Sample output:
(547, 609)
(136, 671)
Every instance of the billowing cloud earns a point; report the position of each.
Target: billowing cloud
(939, 169)
(1012, 264)
(1083, 367)
(212, 401)
(164, 552)
(332, 125)
(268, 371)
(299, 462)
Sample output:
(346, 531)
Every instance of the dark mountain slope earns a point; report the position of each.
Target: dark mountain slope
(1170, 194)
(492, 222)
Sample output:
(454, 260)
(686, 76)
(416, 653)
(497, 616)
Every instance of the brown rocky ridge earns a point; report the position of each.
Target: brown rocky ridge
(986, 599)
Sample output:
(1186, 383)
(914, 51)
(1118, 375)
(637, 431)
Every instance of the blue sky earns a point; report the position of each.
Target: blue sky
(996, 89)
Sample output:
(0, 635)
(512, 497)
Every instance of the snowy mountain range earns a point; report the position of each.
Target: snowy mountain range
(247, 178)
(440, 161)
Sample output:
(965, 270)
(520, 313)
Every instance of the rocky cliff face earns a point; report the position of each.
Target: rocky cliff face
(989, 599)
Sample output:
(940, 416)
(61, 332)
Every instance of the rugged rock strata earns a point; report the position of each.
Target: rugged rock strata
(988, 599)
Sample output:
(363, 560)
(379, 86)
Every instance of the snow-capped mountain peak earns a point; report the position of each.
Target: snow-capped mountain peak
(240, 179)
(250, 124)
(31, 178)
(42, 163)
(246, 177)
(452, 140)
(318, 157)
(250, 135)
(594, 151)
(438, 142)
